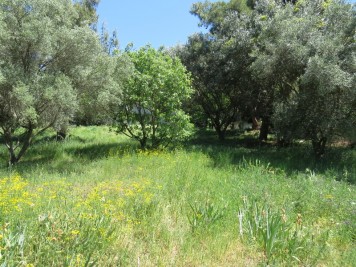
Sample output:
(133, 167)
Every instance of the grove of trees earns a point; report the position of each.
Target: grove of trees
(289, 64)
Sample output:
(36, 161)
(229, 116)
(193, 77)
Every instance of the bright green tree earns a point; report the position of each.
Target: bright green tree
(150, 111)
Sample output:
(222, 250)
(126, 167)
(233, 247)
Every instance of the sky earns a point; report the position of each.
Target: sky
(154, 22)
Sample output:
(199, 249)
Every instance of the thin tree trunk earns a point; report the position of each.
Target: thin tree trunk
(319, 147)
(26, 142)
(255, 125)
(221, 133)
(12, 159)
(143, 143)
(264, 129)
(62, 132)
(10, 146)
(219, 129)
(61, 135)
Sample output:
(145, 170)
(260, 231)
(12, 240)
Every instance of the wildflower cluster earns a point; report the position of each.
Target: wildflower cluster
(14, 195)
(68, 217)
(115, 199)
(57, 189)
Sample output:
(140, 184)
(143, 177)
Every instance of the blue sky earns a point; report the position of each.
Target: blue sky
(155, 22)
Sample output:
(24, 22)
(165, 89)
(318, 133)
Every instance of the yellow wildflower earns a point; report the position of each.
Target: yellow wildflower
(14, 195)
(75, 232)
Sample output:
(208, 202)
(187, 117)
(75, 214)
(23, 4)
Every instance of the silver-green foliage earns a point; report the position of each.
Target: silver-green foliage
(150, 111)
(306, 55)
(44, 56)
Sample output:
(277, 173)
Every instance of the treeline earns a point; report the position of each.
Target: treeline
(289, 65)
(56, 69)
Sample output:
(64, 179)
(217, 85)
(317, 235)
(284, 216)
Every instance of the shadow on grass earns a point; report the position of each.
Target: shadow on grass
(53, 138)
(339, 162)
(72, 156)
(76, 154)
(43, 149)
(97, 151)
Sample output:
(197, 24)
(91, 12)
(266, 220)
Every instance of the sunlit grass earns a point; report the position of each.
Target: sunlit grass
(96, 200)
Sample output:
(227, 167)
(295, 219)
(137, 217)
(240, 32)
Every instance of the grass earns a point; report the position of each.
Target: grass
(96, 200)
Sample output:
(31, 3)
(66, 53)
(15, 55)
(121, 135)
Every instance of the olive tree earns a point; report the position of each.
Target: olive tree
(43, 57)
(280, 56)
(150, 109)
(306, 56)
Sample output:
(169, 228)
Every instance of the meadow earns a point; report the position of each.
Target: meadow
(95, 199)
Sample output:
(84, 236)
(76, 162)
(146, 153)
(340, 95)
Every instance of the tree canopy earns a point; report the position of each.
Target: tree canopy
(151, 108)
(44, 57)
(305, 53)
(289, 63)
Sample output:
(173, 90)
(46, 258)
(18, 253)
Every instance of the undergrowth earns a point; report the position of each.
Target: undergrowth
(96, 200)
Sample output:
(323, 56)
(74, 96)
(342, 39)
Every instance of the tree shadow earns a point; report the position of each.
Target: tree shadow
(76, 155)
(43, 149)
(53, 138)
(97, 151)
(61, 158)
(339, 162)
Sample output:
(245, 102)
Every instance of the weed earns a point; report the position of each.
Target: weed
(96, 200)
(278, 238)
(203, 215)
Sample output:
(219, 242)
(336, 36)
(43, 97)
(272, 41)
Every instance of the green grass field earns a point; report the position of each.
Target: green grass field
(96, 200)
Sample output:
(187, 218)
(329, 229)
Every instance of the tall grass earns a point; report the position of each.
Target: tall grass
(96, 200)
